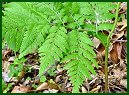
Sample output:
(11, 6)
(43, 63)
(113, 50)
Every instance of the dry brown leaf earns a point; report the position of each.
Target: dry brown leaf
(100, 48)
(83, 89)
(118, 73)
(11, 59)
(69, 89)
(5, 53)
(43, 86)
(123, 82)
(123, 24)
(124, 6)
(50, 91)
(58, 79)
(118, 35)
(5, 66)
(95, 90)
(53, 90)
(122, 64)
(96, 42)
(100, 52)
(26, 82)
(46, 85)
(124, 52)
(115, 53)
(5, 77)
(21, 89)
(68, 85)
(53, 86)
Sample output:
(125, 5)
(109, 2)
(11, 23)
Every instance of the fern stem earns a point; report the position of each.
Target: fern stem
(114, 26)
(96, 25)
(107, 49)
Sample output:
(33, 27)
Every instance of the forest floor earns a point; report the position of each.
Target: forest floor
(57, 79)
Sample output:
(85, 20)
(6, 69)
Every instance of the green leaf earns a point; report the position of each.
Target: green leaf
(102, 37)
(42, 79)
(79, 63)
(57, 46)
(3, 85)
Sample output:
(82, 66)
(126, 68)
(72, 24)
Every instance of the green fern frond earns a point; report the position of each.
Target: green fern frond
(52, 49)
(29, 32)
(98, 13)
(12, 33)
(80, 61)
(14, 24)
(33, 38)
(54, 29)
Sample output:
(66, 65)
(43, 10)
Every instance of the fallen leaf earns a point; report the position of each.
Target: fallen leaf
(11, 59)
(118, 35)
(96, 42)
(48, 85)
(100, 48)
(26, 82)
(50, 91)
(43, 86)
(123, 82)
(83, 89)
(100, 53)
(123, 24)
(21, 89)
(59, 69)
(118, 73)
(115, 53)
(5, 77)
(69, 89)
(5, 53)
(123, 53)
(5, 66)
(53, 86)
(58, 79)
(95, 90)
(53, 90)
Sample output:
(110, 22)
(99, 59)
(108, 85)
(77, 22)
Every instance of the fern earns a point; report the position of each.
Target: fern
(55, 31)
(79, 59)
(53, 48)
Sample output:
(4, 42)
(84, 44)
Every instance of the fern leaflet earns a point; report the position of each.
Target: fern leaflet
(53, 48)
(80, 59)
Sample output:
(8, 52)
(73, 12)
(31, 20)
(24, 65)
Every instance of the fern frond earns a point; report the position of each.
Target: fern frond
(33, 38)
(52, 49)
(29, 26)
(80, 60)
(24, 26)
(14, 24)
(98, 13)
(12, 33)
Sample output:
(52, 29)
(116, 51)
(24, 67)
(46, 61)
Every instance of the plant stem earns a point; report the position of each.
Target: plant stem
(107, 49)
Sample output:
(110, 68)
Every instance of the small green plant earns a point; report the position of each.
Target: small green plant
(58, 32)
(7, 87)
(16, 67)
(3, 85)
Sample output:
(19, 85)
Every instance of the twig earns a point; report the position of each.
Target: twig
(124, 41)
